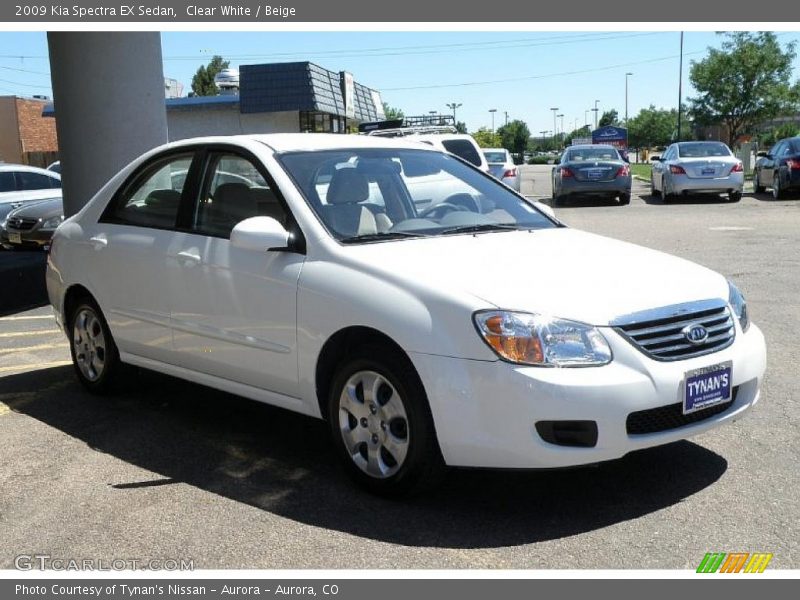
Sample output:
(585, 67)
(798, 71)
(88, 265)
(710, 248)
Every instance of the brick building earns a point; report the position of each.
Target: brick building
(26, 136)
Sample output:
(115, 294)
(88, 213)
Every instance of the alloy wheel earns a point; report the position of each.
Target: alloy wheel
(89, 344)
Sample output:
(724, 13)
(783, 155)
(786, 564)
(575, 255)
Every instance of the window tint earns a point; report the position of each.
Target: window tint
(154, 197)
(580, 154)
(33, 181)
(235, 191)
(463, 148)
(495, 157)
(7, 183)
(702, 149)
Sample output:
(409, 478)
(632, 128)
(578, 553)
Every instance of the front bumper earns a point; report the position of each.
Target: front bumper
(31, 238)
(719, 185)
(485, 413)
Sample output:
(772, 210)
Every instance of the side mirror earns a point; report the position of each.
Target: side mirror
(545, 209)
(656, 159)
(260, 234)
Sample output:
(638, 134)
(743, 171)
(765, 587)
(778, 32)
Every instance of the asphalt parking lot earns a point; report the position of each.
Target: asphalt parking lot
(166, 469)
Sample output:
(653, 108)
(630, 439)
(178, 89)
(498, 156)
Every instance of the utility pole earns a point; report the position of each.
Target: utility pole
(492, 111)
(506, 114)
(626, 98)
(595, 109)
(680, 88)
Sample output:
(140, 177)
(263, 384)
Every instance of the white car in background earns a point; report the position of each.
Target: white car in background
(502, 166)
(23, 184)
(477, 331)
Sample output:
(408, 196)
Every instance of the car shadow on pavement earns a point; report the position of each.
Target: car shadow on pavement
(282, 462)
(690, 199)
(22, 284)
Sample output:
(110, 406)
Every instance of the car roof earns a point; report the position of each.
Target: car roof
(289, 142)
(13, 167)
(589, 146)
(493, 150)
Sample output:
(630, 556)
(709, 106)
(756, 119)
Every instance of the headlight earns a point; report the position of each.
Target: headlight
(532, 339)
(52, 222)
(739, 306)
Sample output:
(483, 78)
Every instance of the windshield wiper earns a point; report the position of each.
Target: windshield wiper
(381, 236)
(479, 228)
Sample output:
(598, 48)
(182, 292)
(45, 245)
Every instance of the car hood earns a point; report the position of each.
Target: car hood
(43, 209)
(562, 272)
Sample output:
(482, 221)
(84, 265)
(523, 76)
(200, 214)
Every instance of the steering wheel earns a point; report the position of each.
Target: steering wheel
(439, 210)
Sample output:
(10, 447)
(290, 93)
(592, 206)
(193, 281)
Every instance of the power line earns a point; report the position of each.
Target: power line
(30, 85)
(544, 76)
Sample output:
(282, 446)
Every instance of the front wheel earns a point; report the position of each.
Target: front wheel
(381, 424)
(94, 353)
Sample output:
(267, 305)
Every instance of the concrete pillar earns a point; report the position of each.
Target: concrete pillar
(108, 94)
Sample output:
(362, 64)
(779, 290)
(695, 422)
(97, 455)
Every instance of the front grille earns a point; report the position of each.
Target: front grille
(659, 333)
(671, 416)
(21, 224)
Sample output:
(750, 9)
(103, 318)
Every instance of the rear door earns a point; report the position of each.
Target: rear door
(130, 244)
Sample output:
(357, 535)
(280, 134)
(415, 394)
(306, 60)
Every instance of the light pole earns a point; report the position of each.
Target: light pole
(453, 106)
(594, 110)
(492, 111)
(505, 112)
(555, 127)
(543, 132)
(561, 116)
(586, 117)
(626, 98)
(680, 88)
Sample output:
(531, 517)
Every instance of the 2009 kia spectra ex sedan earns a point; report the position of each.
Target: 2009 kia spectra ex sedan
(429, 313)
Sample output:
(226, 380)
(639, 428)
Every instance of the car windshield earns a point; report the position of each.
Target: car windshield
(371, 194)
(580, 154)
(495, 157)
(702, 150)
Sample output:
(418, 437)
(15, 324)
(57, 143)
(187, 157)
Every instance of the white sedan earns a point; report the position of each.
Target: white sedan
(473, 329)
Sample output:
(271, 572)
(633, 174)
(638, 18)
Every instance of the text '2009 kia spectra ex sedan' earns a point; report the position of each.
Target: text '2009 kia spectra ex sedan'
(429, 313)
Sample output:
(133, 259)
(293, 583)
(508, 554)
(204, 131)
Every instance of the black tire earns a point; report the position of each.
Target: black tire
(777, 190)
(734, 196)
(354, 418)
(624, 199)
(757, 187)
(666, 198)
(653, 192)
(86, 349)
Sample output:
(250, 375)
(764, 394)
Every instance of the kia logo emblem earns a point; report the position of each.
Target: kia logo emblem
(695, 333)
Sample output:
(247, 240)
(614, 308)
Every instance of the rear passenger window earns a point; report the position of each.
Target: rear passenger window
(464, 149)
(154, 197)
(234, 191)
(33, 181)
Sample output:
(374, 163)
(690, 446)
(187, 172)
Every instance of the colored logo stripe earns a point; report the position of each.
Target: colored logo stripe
(758, 562)
(734, 562)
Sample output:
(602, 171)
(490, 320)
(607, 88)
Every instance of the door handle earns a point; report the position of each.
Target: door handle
(188, 257)
(98, 241)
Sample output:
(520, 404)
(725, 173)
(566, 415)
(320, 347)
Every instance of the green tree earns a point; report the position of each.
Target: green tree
(746, 82)
(769, 137)
(652, 127)
(581, 132)
(391, 112)
(203, 81)
(610, 117)
(514, 136)
(461, 127)
(487, 138)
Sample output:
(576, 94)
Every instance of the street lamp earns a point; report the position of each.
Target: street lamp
(492, 111)
(594, 110)
(555, 128)
(626, 97)
(561, 116)
(506, 114)
(586, 117)
(453, 106)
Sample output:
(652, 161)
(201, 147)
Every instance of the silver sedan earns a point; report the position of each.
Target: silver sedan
(697, 168)
(502, 166)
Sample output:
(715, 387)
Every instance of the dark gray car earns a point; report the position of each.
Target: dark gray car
(32, 226)
(592, 170)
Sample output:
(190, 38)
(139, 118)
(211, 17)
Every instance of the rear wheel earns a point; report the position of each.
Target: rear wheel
(777, 190)
(381, 424)
(734, 196)
(653, 191)
(666, 197)
(757, 187)
(94, 353)
(624, 199)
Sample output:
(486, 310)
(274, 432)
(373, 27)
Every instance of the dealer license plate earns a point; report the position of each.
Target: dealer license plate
(709, 171)
(14, 238)
(706, 387)
(595, 173)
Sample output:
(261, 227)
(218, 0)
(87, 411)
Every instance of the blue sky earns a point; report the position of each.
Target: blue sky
(523, 73)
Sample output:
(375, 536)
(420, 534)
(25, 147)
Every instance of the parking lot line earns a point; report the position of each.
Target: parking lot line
(32, 348)
(26, 317)
(35, 366)
(14, 334)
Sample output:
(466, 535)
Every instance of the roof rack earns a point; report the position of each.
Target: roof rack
(410, 126)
